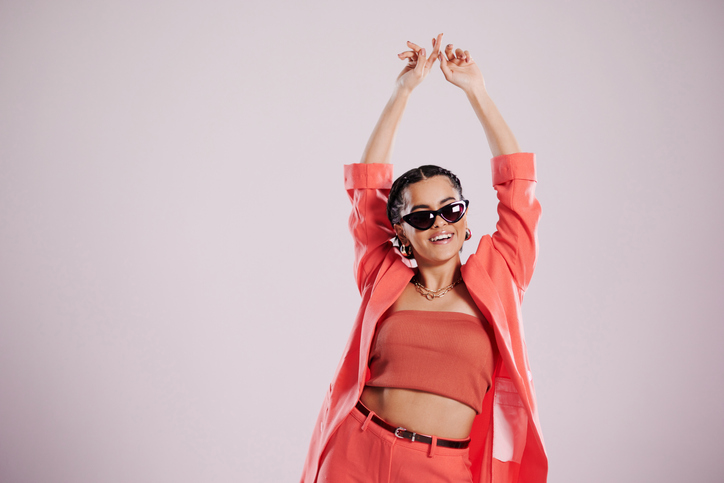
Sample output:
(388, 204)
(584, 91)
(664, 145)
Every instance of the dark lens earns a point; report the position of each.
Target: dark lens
(453, 212)
(422, 220)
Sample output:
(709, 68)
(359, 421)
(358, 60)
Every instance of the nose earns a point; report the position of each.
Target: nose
(437, 223)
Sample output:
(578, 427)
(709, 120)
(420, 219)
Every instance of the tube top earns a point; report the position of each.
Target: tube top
(444, 353)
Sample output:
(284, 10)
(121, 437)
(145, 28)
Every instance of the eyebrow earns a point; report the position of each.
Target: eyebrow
(416, 207)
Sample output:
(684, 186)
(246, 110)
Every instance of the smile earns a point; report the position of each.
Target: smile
(442, 236)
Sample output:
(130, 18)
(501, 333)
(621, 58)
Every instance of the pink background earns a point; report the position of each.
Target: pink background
(175, 268)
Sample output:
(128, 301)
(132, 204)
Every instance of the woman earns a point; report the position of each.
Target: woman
(434, 384)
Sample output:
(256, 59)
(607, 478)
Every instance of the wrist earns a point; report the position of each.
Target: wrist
(477, 92)
(401, 91)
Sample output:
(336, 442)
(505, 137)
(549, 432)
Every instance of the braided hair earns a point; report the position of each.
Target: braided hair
(395, 202)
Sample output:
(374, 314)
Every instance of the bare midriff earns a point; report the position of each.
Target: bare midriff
(419, 411)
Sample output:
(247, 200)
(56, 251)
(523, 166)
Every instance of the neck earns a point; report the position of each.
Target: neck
(436, 277)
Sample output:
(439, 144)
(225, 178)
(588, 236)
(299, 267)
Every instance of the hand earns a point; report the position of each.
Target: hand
(418, 64)
(460, 69)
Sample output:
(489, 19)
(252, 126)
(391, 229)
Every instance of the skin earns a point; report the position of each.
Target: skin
(438, 262)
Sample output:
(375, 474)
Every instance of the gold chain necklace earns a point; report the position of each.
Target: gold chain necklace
(430, 294)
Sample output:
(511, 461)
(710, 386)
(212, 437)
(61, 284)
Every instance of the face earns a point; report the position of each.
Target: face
(443, 240)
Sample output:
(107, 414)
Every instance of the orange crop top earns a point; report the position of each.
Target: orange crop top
(444, 353)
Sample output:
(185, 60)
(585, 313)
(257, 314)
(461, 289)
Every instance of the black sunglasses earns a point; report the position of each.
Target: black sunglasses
(423, 220)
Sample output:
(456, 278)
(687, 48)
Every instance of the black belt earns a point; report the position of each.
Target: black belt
(401, 432)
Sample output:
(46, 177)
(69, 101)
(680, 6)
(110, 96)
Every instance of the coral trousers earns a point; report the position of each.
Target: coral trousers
(363, 452)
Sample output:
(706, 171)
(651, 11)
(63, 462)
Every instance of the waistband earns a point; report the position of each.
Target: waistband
(403, 433)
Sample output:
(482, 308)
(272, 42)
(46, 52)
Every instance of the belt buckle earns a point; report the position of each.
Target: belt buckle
(401, 429)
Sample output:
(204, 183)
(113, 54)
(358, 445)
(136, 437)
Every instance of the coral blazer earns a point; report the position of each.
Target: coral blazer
(506, 440)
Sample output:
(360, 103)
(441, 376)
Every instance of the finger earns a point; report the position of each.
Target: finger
(468, 58)
(430, 61)
(443, 66)
(449, 52)
(460, 54)
(414, 47)
(420, 67)
(435, 51)
(406, 55)
(436, 44)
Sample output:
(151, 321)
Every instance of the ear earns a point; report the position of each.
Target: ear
(400, 233)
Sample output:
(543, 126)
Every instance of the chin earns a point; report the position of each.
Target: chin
(443, 257)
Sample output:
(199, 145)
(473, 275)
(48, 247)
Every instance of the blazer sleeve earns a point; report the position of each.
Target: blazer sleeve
(516, 235)
(368, 187)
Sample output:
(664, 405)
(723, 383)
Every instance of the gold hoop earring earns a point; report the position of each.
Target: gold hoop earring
(406, 250)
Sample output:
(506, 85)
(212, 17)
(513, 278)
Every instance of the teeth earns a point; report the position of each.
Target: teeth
(444, 236)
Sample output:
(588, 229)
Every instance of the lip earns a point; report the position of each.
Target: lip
(443, 241)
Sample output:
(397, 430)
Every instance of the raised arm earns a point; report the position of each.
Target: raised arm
(514, 176)
(382, 139)
(461, 70)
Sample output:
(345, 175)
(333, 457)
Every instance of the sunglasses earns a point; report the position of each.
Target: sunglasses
(423, 220)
